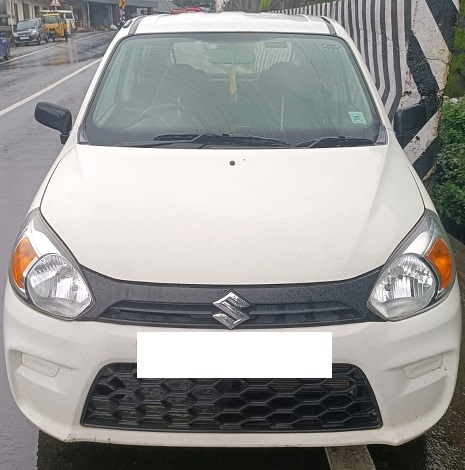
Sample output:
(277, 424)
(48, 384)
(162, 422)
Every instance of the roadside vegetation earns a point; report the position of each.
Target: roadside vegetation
(447, 184)
(448, 181)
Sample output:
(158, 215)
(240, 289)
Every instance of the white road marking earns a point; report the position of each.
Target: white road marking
(349, 458)
(44, 90)
(47, 48)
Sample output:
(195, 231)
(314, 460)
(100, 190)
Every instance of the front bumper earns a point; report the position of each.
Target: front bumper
(411, 366)
(25, 39)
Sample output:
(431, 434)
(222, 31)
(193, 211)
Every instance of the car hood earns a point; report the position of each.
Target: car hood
(234, 216)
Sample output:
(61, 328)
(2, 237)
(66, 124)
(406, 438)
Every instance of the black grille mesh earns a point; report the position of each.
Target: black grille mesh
(261, 316)
(118, 399)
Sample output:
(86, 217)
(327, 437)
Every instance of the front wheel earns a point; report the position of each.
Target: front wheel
(8, 54)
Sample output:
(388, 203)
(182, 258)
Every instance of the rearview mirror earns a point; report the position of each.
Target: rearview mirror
(56, 117)
(227, 56)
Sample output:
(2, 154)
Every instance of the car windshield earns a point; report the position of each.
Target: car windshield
(51, 19)
(302, 90)
(22, 25)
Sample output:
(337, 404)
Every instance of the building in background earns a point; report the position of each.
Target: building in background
(89, 14)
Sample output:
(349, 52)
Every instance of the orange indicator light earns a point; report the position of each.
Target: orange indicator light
(441, 258)
(23, 256)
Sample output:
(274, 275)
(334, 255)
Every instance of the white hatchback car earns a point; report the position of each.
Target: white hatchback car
(241, 163)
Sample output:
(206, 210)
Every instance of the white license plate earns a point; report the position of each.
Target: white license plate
(234, 354)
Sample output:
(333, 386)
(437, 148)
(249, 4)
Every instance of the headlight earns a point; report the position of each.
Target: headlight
(33, 33)
(15, 35)
(419, 273)
(44, 273)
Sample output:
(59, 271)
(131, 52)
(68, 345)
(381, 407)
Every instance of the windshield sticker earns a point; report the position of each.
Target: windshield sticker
(357, 117)
(332, 48)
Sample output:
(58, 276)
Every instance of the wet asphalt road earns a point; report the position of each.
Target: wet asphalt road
(27, 151)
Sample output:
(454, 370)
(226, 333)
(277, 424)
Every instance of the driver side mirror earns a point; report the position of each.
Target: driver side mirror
(55, 117)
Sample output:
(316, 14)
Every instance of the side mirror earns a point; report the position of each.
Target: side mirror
(56, 117)
(408, 121)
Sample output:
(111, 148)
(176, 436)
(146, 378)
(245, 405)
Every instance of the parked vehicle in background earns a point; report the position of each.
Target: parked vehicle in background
(30, 32)
(4, 47)
(55, 26)
(66, 15)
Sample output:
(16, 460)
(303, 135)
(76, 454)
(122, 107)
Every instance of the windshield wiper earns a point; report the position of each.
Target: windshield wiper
(207, 139)
(336, 141)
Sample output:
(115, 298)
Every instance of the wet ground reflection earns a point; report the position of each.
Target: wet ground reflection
(54, 455)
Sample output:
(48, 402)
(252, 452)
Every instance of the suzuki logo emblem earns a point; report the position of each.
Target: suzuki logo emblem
(230, 305)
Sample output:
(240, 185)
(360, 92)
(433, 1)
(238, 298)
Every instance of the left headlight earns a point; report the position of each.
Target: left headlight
(419, 273)
(45, 274)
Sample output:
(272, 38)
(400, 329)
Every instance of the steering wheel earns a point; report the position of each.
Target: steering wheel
(153, 111)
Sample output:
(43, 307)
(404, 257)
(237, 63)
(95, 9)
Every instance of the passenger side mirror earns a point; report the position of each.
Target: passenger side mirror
(56, 117)
(408, 121)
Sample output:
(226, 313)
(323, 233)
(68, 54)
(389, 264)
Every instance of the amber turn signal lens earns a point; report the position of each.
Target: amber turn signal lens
(22, 257)
(441, 258)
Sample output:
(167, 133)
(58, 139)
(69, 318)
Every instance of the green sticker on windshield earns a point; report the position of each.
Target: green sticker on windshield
(357, 117)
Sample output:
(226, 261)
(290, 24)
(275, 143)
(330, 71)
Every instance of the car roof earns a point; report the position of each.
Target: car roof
(231, 22)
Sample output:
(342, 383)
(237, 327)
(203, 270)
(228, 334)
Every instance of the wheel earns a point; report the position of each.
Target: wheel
(8, 54)
(16, 44)
(152, 111)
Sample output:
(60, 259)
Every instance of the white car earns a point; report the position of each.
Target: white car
(232, 172)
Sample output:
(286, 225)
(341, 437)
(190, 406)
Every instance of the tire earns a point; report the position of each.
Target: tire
(16, 44)
(8, 54)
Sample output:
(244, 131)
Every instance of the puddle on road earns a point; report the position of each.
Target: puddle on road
(58, 53)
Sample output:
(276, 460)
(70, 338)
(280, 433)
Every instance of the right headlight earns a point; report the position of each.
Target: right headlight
(44, 273)
(419, 273)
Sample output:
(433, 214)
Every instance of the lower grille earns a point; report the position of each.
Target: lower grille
(119, 400)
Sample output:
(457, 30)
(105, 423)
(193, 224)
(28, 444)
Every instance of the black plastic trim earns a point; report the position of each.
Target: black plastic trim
(134, 25)
(351, 293)
(330, 26)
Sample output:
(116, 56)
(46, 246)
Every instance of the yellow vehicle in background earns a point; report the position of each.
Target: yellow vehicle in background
(55, 26)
